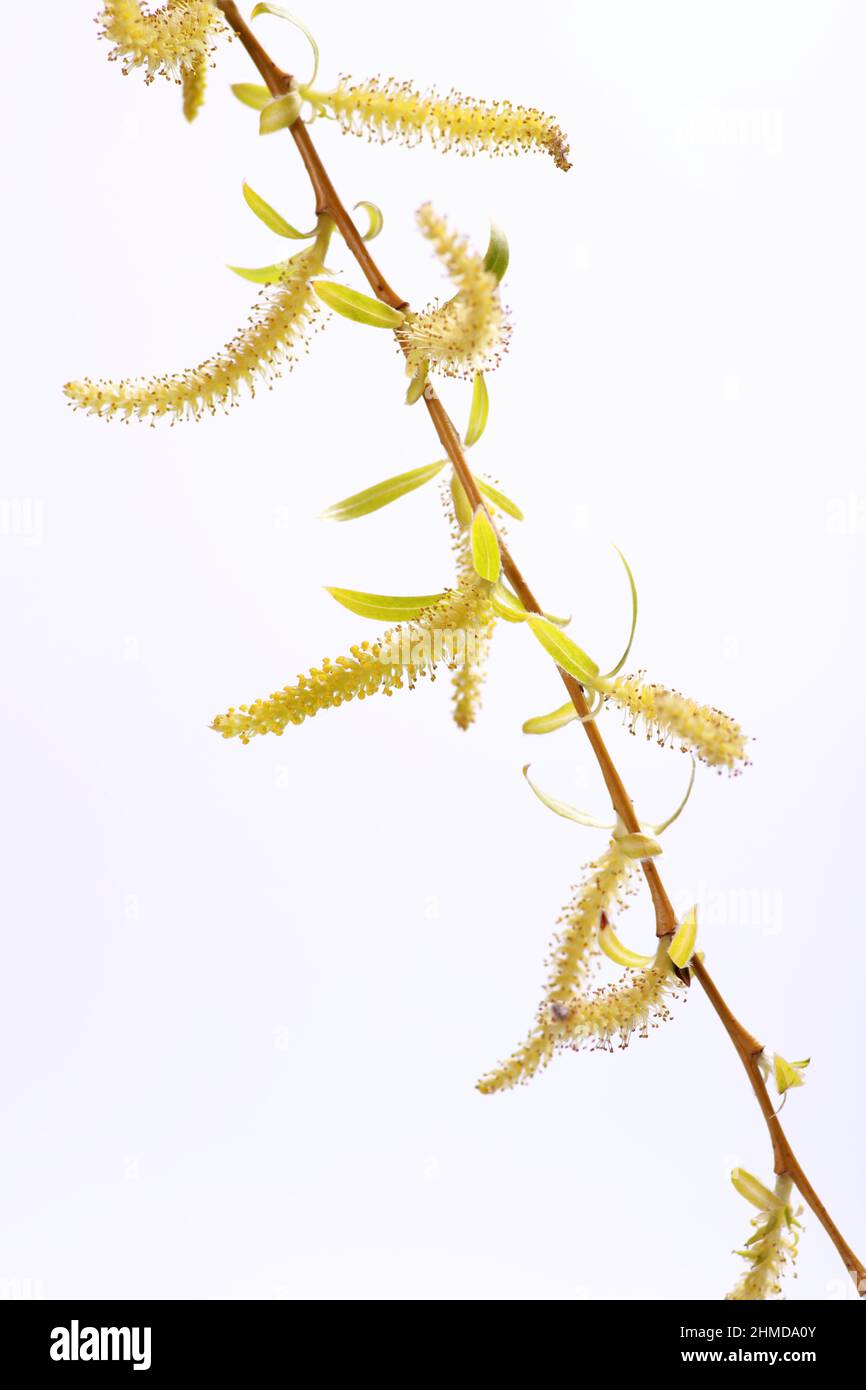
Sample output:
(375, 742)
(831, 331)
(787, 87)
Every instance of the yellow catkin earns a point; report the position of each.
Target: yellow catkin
(670, 717)
(572, 954)
(774, 1247)
(396, 661)
(391, 110)
(268, 343)
(163, 42)
(194, 85)
(468, 679)
(614, 1013)
(470, 332)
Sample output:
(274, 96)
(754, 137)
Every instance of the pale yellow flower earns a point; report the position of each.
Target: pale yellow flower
(391, 110)
(470, 331)
(396, 661)
(167, 41)
(269, 342)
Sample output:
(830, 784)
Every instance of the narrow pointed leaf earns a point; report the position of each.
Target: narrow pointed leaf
(785, 1075)
(485, 547)
(624, 658)
(377, 220)
(251, 94)
(755, 1192)
(416, 385)
(683, 944)
(497, 257)
(499, 499)
(566, 654)
(262, 275)
(663, 825)
(271, 218)
(387, 608)
(548, 723)
(279, 13)
(562, 808)
(280, 113)
(507, 605)
(639, 846)
(478, 411)
(462, 509)
(381, 494)
(614, 949)
(360, 308)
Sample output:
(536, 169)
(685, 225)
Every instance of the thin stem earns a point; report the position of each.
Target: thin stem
(328, 203)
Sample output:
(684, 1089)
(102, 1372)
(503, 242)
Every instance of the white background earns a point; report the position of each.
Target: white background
(247, 992)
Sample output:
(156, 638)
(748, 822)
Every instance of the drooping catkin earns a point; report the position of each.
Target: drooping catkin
(269, 342)
(673, 718)
(571, 958)
(469, 332)
(166, 41)
(468, 678)
(444, 635)
(194, 86)
(772, 1247)
(385, 109)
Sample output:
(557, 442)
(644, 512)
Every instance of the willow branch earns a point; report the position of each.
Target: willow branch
(328, 202)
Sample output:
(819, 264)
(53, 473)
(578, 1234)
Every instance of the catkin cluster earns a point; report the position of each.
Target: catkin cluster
(172, 41)
(396, 661)
(670, 717)
(278, 327)
(386, 109)
(772, 1247)
(571, 1015)
(470, 332)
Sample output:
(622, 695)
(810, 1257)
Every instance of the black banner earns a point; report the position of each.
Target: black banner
(218, 1340)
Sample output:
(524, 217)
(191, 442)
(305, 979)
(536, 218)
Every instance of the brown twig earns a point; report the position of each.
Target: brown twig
(328, 202)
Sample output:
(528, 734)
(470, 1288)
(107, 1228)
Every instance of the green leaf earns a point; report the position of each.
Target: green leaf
(507, 605)
(416, 385)
(384, 607)
(280, 113)
(462, 509)
(510, 607)
(619, 953)
(566, 654)
(548, 723)
(381, 494)
(485, 547)
(624, 658)
(251, 94)
(478, 411)
(562, 808)
(498, 255)
(272, 219)
(262, 275)
(638, 845)
(682, 946)
(377, 220)
(499, 499)
(663, 825)
(360, 308)
(755, 1192)
(279, 13)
